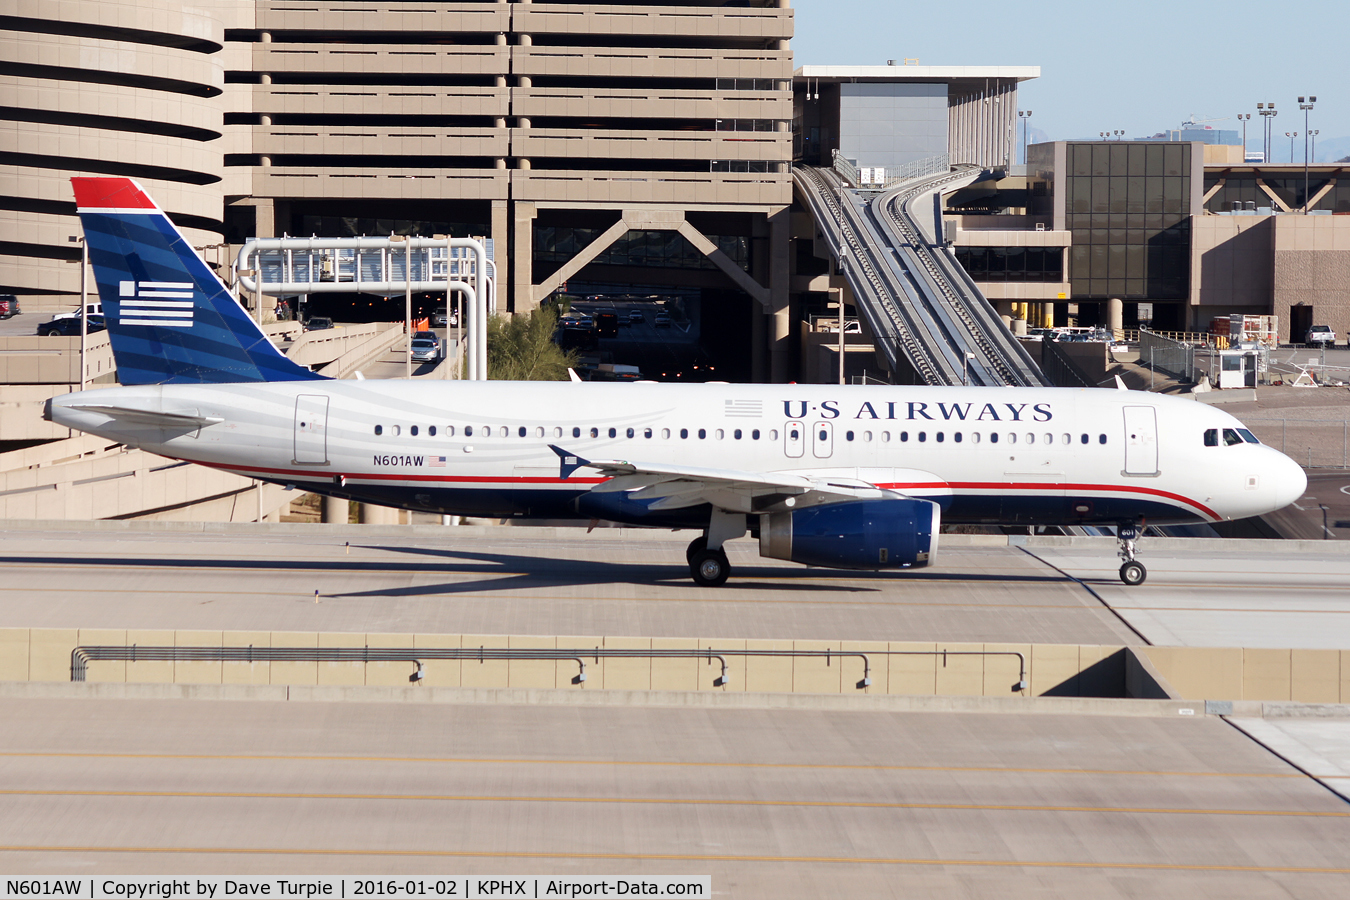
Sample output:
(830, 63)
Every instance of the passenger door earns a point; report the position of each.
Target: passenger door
(1141, 441)
(794, 439)
(311, 430)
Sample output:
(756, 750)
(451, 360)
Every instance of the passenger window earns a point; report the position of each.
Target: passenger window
(630, 432)
(1012, 437)
(557, 431)
(957, 437)
(449, 431)
(974, 437)
(398, 429)
(613, 432)
(940, 437)
(904, 436)
(1031, 438)
(1050, 439)
(595, 432)
(993, 437)
(1066, 439)
(867, 435)
(431, 430)
(647, 433)
(413, 431)
(848, 435)
(539, 431)
(504, 431)
(665, 434)
(523, 431)
(885, 436)
(684, 434)
(1230, 437)
(468, 431)
(1083, 440)
(773, 434)
(923, 436)
(1101, 439)
(754, 435)
(1248, 436)
(576, 432)
(379, 430)
(703, 434)
(1211, 437)
(720, 434)
(736, 434)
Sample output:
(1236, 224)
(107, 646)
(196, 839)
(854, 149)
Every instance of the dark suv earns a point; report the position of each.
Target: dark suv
(70, 325)
(9, 306)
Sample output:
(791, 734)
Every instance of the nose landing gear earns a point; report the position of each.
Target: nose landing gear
(1132, 572)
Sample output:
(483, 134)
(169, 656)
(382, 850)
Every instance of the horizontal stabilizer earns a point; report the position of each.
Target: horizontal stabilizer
(150, 417)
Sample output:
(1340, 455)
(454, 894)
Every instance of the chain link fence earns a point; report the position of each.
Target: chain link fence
(1311, 443)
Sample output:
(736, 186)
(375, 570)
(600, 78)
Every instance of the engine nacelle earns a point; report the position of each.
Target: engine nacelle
(856, 534)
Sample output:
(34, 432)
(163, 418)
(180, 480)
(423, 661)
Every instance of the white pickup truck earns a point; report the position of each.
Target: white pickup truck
(1320, 335)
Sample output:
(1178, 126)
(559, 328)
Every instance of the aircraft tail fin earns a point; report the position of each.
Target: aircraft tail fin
(171, 320)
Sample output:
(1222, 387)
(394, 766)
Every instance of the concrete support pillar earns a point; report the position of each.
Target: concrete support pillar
(759, 343)
(1115, 315)
(779, 299)
(1005, 312)
(522, 258)
(266, 217)
(500, 232)
(370, 514)
(335, 511)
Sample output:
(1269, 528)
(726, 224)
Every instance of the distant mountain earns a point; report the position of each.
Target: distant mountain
(1332, 149)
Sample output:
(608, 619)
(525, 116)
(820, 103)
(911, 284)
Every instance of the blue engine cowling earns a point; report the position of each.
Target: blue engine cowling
(856, 534)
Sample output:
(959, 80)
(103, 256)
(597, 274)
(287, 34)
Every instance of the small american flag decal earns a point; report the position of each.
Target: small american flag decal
(744, 409)
(437, 462)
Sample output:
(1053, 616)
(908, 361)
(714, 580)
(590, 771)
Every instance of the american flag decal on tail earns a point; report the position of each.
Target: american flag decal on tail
(167, 304)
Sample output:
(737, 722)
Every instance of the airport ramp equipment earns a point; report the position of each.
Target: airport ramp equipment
(924, 309)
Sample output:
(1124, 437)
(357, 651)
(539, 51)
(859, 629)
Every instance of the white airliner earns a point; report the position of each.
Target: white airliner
(855, 477)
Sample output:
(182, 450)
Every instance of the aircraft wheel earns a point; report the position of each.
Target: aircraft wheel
(709, 568)
(1133, 573)
(695, 546)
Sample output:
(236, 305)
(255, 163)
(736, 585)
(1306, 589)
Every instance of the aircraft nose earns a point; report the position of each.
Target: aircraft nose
(1288, 480)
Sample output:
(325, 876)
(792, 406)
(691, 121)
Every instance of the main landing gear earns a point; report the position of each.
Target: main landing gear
(708, 564)
(1132, 572)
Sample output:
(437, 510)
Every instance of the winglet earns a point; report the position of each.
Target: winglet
(1120, 385)
(572, 375)
(567, 462)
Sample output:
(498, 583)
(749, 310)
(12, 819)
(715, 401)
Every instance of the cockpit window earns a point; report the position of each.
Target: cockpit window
(1211, 437)
(1230, 437)
(1248, 436)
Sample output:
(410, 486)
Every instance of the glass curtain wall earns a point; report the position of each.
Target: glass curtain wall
(1127, 205)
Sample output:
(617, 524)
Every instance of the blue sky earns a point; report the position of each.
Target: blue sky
(1143, 66)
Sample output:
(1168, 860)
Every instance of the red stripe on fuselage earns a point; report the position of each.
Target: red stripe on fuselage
(1067, 487)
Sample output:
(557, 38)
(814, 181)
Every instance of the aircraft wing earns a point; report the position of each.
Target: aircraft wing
(677, 487)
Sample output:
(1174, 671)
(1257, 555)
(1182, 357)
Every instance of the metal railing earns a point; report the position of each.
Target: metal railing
(893, 175)
(80, 657)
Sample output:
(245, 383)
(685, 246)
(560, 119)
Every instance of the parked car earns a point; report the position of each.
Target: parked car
(318, 323)
(1320, 335)
(426, 347)
(9, 306)
(70, 325)
(662, 320)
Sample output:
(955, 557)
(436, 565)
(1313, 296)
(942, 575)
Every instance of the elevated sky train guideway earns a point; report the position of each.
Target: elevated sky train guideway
(929, 318)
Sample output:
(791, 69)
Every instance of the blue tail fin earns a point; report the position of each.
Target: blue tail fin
(170, 318)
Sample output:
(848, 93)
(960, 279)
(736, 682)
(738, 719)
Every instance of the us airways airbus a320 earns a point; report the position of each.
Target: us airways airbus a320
(857, 477)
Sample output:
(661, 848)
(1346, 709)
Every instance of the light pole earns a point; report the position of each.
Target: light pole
(965, 368)
(406, 240)
(1291, 135)
(1315, 132)
(1026, 128)
(1244, 118)
(84, 307)
(1266, 111)
(1307, 108)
